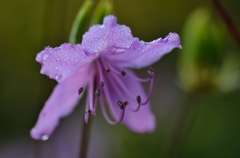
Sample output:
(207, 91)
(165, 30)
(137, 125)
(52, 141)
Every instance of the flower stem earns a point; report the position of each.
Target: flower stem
(182, 125)
(227, 19)
(85, 137)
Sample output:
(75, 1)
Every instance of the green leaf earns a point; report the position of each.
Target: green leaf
(104, 7)
(78, 27)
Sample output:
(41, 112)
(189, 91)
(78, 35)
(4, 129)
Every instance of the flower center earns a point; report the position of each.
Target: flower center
(102, 93)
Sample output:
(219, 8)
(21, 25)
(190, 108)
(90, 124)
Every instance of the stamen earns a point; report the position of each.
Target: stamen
(150, 89)
(90, 95)
(139, 79)
(98, 92)
(86, 116)
(88, 111)
(125, 103)
(151, 69)
(123, 73)
(105, 65)
(102, 83)
(138, 98)
(100, 73)
(120, 104)
(120, 118)
(122, 86)
(150, 72)
(80, 90)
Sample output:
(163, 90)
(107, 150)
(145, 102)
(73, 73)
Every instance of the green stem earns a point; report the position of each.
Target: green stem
(85, 137)
(181, 126)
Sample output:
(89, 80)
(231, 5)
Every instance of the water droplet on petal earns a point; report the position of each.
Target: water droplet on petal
(44, 137)
(58, 77)
(45, 56)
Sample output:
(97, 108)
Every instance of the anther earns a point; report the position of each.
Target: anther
(102, 83)
(138, 98)
(150, 73)
(120, 104)
(88, 111)
(98, 92)
(80, 90)
(151, 69)
(123, 73)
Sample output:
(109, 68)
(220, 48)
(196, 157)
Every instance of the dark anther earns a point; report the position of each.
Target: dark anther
(150, 73)
(120, 104)
(123, 73)
(138, 98)
(89, 111)
(80, 90)
(102, 83)
(151, 69)
(125, 103)
(108, 70)
(98, 92)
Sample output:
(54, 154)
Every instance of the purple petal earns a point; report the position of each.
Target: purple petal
(58, 63)
(141, 54)
(140, 121)
(101, 39)
(61, 103)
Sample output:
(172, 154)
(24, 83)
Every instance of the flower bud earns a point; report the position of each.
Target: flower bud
(203, 57)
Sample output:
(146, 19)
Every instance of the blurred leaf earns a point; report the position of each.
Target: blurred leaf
(79, 24)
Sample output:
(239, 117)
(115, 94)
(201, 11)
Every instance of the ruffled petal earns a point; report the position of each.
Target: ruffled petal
(101, 39)
(141, 54)
(60, 62)
(61, 103)
(140, 121)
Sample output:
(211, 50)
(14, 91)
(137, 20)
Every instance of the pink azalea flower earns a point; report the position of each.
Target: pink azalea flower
(101, 63)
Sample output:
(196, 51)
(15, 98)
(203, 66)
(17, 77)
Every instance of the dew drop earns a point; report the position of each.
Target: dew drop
(45, 56)
(58, 77)
(44, 137)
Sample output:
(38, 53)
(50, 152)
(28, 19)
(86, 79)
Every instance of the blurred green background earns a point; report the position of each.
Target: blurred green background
(28, 26)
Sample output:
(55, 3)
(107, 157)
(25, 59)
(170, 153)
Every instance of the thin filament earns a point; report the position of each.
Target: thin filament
(139, 79)
(90, 94)
(150, 90)
(105, 65)
(120, 118)
(113, 69)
